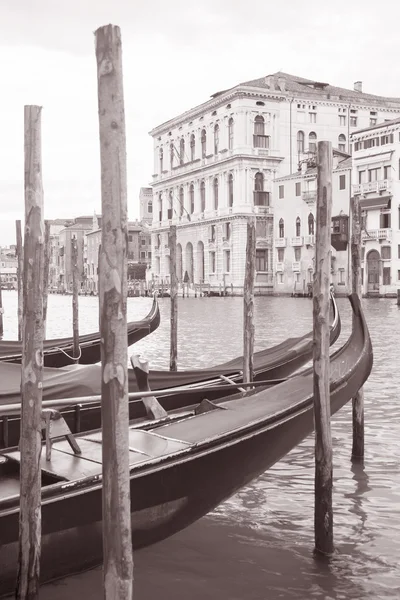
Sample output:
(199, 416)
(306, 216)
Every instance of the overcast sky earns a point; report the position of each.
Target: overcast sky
(175, 55)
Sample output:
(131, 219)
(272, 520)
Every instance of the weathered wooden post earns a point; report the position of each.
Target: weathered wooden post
(117, 544)
(32, 363)
(20, 270)
(323, 518)
(174, 300)
(248, 302)
(358, 400)
(75, 296)
(47, 252)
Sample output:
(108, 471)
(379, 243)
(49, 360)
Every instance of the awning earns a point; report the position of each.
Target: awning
(377, 202)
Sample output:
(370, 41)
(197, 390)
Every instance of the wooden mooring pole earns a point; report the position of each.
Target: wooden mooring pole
(117, 544)
(323, 517)
(358, 400)
(32, 364)
(248, 302)
(47, 251)
(173, 366)
(20, 271)
(75, 297)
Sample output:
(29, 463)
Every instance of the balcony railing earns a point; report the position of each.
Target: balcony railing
(263, 210)
(296, 266)
(309, 196)
(376, 234)
(382, 185)
(261, 198)
(309, 240)
(296, 241)
(280, 242)
(280, 266)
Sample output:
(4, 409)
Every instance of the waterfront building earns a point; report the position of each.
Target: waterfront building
(91, 250)
(146, 204)
(215, 165)
(294, 227)
(376, 181)
(78, 230)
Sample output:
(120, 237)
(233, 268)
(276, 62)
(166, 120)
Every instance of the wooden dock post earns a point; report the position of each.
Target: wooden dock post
(323, 518)
(20, 270)
(248, 302)
(113, 287)
(47, 251)
(32, 364)
(357, 452)
(75, 297)
(174, 300)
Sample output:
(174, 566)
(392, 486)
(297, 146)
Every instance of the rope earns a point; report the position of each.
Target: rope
(68, 356)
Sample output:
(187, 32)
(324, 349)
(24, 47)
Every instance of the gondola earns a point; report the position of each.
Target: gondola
(275, 363)
(59, 352)
(179, 470)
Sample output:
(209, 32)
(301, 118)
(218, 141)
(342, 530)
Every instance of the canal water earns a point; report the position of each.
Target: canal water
(258, 545)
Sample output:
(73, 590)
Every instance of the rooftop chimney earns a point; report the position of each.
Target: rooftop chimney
(358, 86)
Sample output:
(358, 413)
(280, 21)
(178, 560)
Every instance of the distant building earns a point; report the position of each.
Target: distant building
(376, 181)
(77, 230)
(146, 204)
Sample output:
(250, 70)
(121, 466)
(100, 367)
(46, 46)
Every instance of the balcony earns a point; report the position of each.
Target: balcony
(296, 241)
(279, 266)
(261, 141)
(260, 198)
(309, 240)
(280, 242)
(263, 210)
(310, 196)
(376, 187)
(376, 234)
(296, 266)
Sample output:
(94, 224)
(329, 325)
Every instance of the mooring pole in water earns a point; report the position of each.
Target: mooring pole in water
(323, 518)
(75, 296)
(32, 364)
(47, 252)
(20, 271)
(357, 452)
(248, 302)
(117, 542)
(174, 300)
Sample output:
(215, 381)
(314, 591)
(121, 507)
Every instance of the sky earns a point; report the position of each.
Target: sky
(175, 55)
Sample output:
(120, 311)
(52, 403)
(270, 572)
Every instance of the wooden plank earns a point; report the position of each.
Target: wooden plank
(357, 452)
(20, 271)
(47, 251)
(32, 363)
(117, 545)
(75, 298)
(323, 517)
(248, 303)
(173, 365)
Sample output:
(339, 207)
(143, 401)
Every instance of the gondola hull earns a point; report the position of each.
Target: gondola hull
(59, 353)
(278, 362)
(211, 456)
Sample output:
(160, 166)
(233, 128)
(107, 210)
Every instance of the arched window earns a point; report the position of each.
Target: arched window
(259, 182)
(215, 188)
(203, 143)
(281, 228)
(150, 207)
(171, 154)
(160, 206)
(230, 133)
(298, 227)
(300, 142)
(182, 151)
(161, 160)
(342, 143)
(230, 189)
(191, 198)
(311, 224)
(259, 125)
(192, 146)
(181, 200)
(202, 196)
(171, 204)
(312, 142)
(216, 139)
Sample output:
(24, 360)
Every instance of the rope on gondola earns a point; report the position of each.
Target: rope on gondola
(71, 357)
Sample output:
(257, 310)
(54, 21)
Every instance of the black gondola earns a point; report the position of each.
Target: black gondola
(59, 352)
(179, 471)
(277, 362)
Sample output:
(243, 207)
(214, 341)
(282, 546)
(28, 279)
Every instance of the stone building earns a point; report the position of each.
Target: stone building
(146, 204)
(78, 230)
(215, 165)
